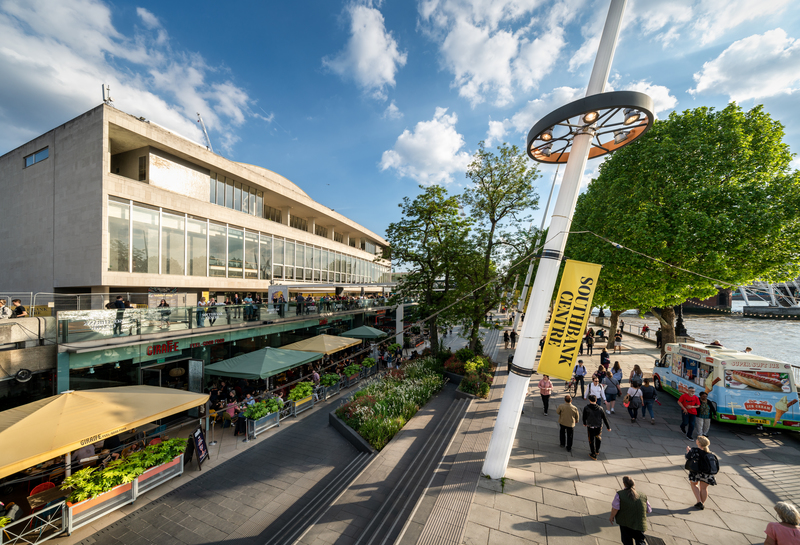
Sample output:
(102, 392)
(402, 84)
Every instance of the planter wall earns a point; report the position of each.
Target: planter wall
(302, 405)
(255, 427)
(330, 391)
(82, 513)
(352, 381)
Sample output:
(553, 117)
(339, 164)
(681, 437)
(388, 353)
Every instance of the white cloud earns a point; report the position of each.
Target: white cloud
(392, 112)
(758, 66)
(495, 134)
(55, 55)
(431, 153)
(662, 100)
(371, 56)
(795, 164)
(496, 48)
(528, 115)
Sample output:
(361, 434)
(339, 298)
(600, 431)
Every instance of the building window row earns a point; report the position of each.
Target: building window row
(298, 223)
(146, 239)
(321, 231)
(34, 158)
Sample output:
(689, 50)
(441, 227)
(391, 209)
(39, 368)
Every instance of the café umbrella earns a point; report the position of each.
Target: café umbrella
(364, 332)
(50, 427)
(324, 344)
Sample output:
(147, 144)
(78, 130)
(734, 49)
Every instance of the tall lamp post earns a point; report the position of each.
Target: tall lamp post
(590, 127)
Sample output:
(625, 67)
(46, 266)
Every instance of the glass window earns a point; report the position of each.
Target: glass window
(217, 249)
(220, 190)
(212, 187)
(288, 270)
(235, 252)
(196, 231)
(229, 193)
(172, 243)
(237, 196)
(266, 257)
(34, 158)
(145, 240)
(251, 255)
(252, 201)
(245, 199)
(277, 251)
(310, 257)
(119, 224)
(300, 257)
(277, 271)
(260, 204)
(142, 168)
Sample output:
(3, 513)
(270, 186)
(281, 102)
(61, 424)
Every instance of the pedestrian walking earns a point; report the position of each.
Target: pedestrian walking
(580, 372)
(616, 371)
(513, 338)
(201, 312)
(702, 465)
(119, 304)
(5, 312)
(612, 391)
(658, 338)
(580, 347)
(568, 417)
(630, 510)
(633, 400)
(636, 376)
(597, 390)
(545, 389)
(212, 311)
(688, 403)
(649, 397)
(605, 359)
(506, 338)
(593, 420)
(618, 341)
(589, 343)
(705, 412)
(787, 531)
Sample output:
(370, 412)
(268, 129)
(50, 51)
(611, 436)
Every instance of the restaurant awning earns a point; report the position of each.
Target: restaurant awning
(262, 363)
(325, 344)
(364, 332)
(36, 432)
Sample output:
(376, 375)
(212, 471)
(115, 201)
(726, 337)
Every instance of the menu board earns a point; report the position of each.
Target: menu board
(200, 447)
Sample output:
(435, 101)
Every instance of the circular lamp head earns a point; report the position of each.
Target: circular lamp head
(603, 117)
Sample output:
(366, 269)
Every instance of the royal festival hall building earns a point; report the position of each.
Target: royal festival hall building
(110, 204)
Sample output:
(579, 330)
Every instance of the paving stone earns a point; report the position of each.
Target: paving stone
(475, 534)
(561, 518)
(500, 538)
(524, 527)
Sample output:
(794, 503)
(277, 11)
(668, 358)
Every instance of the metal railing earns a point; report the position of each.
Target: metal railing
(94, 325)
(38, 527)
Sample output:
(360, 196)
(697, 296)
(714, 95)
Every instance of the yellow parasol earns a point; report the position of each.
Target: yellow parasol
(324, 344)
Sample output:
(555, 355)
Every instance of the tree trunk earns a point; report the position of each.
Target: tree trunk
(434, 336)
(615, 314)
(667, 320)
(474, 333)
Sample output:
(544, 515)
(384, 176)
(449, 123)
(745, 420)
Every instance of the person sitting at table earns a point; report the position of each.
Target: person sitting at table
(83, 453)
(112, 443)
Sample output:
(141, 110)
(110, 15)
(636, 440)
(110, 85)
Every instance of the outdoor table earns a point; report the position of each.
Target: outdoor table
(50, 495)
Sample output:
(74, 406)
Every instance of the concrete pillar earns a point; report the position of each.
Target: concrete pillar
(312, 225)
(285, 211)
(399, 325)
(330, 231)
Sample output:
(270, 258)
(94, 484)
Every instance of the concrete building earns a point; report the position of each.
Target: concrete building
(110, 203)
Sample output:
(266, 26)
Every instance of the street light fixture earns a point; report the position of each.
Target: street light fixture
(621, 136)
(590, 117)
(547, 135)
(631, 116)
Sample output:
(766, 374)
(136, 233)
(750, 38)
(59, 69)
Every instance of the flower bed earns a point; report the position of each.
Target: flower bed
(477, 377)
(381, 409)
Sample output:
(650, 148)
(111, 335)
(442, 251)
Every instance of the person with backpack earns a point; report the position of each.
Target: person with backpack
(579, 372)
(702, 465)
(634, 401)
(649, 397)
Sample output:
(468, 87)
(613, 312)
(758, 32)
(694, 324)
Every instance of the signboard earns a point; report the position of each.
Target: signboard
(273, 290)
(568, 321)
(200, 447)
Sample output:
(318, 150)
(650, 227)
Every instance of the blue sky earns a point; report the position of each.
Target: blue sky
(359, 102)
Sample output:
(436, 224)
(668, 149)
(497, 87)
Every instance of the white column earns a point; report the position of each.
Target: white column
(505, 428)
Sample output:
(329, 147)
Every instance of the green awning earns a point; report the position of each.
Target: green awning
(364, 332)
(263, 363)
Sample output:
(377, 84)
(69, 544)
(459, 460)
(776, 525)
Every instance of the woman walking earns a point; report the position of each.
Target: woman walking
(589, 343)
(545, 389)
(634, 399)
(618, 341)
(165, 312)
(612, 391)
(787, 531)
(636, 376)
(605, 359)
(649, 397)
(630, 509)
(616, 371)
(506, 338)
(701, 470)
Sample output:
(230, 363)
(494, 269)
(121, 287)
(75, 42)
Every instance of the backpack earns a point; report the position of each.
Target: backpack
(708, 463)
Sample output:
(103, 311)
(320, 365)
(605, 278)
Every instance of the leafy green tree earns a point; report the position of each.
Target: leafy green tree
(705, 191)
(430, 241)
(499, 199)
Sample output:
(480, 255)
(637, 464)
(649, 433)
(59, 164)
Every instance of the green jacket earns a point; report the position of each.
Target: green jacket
(632, 513)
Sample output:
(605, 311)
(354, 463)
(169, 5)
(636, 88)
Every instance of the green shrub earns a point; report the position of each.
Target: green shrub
(330, 379)
(301, 391)
(392, 348)
(484, 390)
(368, 362)
(464, 355)
(351, 370)
(260, 409)
(92, 481)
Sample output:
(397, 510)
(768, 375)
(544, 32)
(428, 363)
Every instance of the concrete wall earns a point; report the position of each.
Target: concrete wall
(174, 174)
(37, 358)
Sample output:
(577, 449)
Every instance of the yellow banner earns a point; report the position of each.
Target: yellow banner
(570, 316)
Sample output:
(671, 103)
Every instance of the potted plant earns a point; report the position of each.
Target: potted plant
(263, 415)
(331, 384)
(302, 397)
(370, 366)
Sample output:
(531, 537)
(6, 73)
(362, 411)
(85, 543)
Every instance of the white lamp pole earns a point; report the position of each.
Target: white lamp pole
(505, 428)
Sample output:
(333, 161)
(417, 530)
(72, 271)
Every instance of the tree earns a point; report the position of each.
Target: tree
(430, 241)
(705, 191)
(499, 198)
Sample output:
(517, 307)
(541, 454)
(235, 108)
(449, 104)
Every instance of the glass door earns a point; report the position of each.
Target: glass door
(150, 377)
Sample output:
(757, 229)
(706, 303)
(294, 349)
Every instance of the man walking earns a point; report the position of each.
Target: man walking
(589, 344)
(689, 404)
(119, 304)
(513, 337)
(594, 417)
(579, 372)
(568, 417)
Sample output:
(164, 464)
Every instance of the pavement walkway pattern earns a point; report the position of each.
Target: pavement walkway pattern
(553, 497)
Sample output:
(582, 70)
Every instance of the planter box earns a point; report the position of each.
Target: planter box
(369, 371)
(330, 391)
(82, 513)
(352, 380)
(254, 427)
(286, 411)
(302, 405)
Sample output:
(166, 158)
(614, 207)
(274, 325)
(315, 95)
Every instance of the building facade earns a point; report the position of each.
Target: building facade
(110, 203)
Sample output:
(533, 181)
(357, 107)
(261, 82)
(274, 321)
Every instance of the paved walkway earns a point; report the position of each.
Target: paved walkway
(553, 497)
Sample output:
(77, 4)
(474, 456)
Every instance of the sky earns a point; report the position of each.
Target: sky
(361, 102)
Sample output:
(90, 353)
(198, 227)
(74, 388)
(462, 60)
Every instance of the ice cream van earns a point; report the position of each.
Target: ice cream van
(745, 388)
